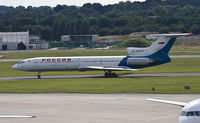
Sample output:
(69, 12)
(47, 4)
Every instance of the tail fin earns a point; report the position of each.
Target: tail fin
(162, 45)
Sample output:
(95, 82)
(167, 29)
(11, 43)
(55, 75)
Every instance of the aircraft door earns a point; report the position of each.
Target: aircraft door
(35, 63)
(101, 62)
(77, 62)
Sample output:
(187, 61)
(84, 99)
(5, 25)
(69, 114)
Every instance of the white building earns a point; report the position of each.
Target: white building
(14, 40)
(35, 43)
(77, 38)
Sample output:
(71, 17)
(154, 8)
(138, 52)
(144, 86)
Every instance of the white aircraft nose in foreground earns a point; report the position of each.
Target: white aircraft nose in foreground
(189, 114)
(137, 58)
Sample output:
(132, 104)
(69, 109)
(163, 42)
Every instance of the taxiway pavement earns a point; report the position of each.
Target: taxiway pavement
(97, 76)
(91, 108)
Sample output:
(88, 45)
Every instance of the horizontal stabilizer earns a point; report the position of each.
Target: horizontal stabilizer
(109, 68)
(156, 36)
(161, 46)
(168, 102)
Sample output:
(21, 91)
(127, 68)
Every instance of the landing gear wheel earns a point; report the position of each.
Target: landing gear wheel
(109, 74)
(38, 76)
(114, 75)
(106, 74)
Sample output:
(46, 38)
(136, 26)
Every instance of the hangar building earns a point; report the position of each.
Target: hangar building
(73, 41)
(79, 38)
(35, 43)
(14, 40)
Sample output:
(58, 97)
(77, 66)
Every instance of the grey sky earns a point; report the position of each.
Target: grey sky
(53, 3)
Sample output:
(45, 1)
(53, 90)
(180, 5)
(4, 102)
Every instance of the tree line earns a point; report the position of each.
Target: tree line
(117, 19)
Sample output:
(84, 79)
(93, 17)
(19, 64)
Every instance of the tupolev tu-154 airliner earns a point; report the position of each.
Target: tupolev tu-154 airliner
(155, 54)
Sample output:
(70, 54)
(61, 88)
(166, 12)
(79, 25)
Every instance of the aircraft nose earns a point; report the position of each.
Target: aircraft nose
(187, 119)
(14, 66)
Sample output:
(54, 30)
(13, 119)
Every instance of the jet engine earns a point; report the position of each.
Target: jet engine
(139, 61)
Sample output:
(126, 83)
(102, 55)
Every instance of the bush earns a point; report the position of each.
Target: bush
(136, 42)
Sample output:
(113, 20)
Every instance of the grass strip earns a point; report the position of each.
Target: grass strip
(162, 85)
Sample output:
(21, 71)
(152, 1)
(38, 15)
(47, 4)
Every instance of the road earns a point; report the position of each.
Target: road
(90, 108)
(97, 76)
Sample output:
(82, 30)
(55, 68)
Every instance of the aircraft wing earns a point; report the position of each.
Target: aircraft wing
(109, 68)
(16, 116)
(182, 104)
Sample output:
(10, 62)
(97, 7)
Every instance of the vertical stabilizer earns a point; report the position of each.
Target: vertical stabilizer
(161, 46)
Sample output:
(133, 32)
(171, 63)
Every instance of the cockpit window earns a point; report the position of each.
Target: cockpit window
(197, 113)
(183, 113)
(21, 62)
(191, 113)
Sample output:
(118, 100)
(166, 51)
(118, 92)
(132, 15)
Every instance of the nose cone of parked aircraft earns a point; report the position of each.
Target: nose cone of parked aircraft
(188, 119)
(15, 67)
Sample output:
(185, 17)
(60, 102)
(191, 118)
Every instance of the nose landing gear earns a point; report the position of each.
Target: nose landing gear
(39, 76)
(110, 74)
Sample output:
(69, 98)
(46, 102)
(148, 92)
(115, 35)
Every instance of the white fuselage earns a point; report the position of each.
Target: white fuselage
(67, 63)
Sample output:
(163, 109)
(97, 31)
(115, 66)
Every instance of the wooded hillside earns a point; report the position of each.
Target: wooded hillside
(118, 19)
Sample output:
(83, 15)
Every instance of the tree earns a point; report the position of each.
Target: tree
(104, 32)
(46, 33)
(121, 21)
(136, 42)
(163, 29)
(196, 29)
(84, 27)
(60, 29)
(104, 22)
(55, 32)
(58, 8)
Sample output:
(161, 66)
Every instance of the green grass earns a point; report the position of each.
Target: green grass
(186, 48)
(163, 85)
(182, 65)
(28, 54)
(23, 55)
(184, 53)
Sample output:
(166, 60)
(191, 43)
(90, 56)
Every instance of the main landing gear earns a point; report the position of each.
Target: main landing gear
(39, 76)
(110, 74)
